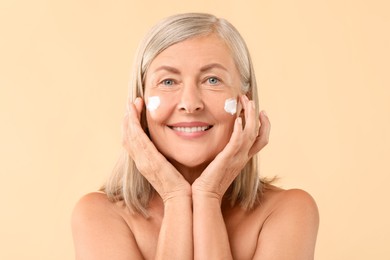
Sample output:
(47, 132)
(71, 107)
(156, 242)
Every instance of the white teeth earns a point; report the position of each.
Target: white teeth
(191, 129)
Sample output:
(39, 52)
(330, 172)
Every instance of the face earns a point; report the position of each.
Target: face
(186, 89)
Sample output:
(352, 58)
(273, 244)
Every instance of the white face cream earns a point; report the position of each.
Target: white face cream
(231, 106)
(153, 103)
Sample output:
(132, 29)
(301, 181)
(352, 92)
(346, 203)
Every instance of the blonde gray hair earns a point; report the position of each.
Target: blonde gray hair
(126, 183)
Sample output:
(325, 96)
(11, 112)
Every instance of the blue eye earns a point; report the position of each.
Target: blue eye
(213, 80)
(168, 82)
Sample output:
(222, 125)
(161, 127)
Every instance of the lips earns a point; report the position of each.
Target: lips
(190, 127)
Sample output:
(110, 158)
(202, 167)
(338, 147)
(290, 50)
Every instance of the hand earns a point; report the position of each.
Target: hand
(243, 144)
(164, 178)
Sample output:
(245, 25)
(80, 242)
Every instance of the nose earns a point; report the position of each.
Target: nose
(191, 99)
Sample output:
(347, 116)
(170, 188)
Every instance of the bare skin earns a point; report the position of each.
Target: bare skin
(283, 226)
(189, 215)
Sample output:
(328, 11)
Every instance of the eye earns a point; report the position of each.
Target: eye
(168, 82)
(213, 80)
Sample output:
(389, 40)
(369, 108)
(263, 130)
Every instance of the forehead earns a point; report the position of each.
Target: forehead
(196, 51)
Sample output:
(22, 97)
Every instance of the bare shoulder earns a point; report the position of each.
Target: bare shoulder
(291, 226)
(93, 206)
(99, 230)
(93, 200)
(292, 200)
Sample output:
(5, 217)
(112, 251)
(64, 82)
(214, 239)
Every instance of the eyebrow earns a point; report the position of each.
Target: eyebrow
(212, 66)
(168, 68)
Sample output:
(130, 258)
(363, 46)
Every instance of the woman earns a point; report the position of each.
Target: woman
(187, 186)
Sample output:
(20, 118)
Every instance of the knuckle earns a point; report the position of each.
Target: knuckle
(252, 137)
(264, 142)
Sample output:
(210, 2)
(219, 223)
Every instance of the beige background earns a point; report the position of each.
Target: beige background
(323, 69)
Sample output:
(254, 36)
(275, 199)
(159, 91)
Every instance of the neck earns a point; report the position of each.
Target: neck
(190, 173)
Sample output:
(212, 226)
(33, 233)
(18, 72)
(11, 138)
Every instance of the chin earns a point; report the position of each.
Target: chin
(190, 163)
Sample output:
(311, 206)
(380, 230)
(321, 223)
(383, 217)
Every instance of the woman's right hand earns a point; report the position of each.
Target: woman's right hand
(161, 174)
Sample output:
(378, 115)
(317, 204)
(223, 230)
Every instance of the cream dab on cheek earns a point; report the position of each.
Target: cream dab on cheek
(153, 103)
(231, 106)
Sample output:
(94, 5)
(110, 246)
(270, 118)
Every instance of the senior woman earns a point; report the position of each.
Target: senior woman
(188, 185)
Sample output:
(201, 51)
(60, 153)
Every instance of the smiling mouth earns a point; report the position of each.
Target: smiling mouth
(193, 129)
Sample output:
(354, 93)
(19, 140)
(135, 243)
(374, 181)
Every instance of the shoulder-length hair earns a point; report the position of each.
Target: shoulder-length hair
(126, 183)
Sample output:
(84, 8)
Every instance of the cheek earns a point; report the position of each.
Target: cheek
(231, 106)
(224, 107)
(224, 119)
(158, 109)
(153, 103)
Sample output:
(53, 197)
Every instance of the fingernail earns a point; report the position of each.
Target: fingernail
(136, 101)
(239, 120)
(264, 113)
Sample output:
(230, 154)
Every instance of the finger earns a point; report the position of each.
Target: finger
(237, 132)
(132, 130)
(242, 138)
(263, 137)
(235, 142)
(139, 104)
(265, 127)
(251, 122)
(226, 160)
(128, 119)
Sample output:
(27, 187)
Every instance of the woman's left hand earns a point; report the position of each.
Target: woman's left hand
(243, 144)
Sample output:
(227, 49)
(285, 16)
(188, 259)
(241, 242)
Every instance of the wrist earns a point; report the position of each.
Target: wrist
(200, 196)
(177, 197)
